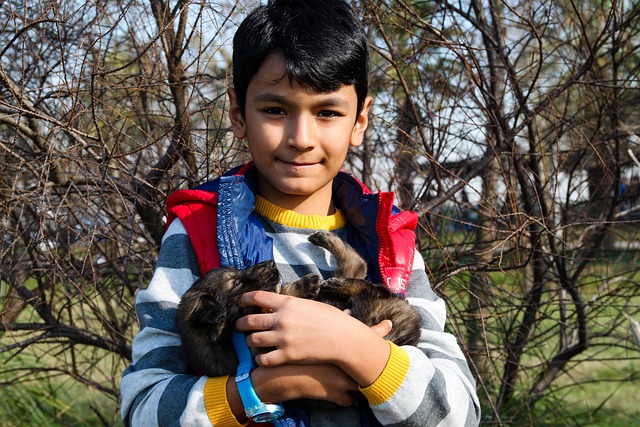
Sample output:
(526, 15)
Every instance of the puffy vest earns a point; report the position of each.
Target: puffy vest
(218, 216)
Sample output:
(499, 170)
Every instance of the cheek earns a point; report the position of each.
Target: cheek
(264, 138)
(339, 140)
(338, 148)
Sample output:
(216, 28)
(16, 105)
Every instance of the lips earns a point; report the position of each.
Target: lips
(298, 164)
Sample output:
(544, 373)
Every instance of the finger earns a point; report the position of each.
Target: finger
(263, 339)
(272, 358)
(344, 399)
(257, 322)
(382, 328)
(264, 299)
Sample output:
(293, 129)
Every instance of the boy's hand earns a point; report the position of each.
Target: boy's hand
(309, 332)
(383, 328)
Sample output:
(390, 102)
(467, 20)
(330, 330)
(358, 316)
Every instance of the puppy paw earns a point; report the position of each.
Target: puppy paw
(320, 238)
(305, 287)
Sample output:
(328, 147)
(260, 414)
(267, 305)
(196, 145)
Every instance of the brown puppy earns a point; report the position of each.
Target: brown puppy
(208, 311)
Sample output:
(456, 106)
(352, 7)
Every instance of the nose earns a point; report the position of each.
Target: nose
(269, 264)
(301, 132)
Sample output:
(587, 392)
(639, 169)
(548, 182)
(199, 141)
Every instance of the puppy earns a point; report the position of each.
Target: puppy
(208, 311)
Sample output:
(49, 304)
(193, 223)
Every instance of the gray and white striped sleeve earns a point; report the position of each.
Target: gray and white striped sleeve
(438, 389)
(155, 388)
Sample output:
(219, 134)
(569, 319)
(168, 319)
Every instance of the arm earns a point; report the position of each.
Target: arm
(157, 388)
(309, 332)
(437, 388)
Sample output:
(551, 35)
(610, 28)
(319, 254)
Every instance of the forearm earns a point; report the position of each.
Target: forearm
(156, 389)
(362, 354)
(432, 391)
(307, 381)
(437, 385)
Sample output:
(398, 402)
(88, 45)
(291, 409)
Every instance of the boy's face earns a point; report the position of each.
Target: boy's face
(298, 138)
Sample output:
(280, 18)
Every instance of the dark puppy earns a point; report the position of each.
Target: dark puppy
(208, 311)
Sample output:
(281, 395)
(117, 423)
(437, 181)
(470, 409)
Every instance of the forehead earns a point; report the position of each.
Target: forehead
(271, 71)
(271, 83)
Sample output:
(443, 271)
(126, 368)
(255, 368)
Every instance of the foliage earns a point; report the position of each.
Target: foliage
(510, 127)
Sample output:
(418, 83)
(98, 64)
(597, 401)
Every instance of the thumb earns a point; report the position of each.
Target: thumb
(382, 328)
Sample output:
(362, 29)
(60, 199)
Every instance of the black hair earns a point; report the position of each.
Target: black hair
(323, 43)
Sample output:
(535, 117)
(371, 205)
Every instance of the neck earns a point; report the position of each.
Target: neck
(320, 203)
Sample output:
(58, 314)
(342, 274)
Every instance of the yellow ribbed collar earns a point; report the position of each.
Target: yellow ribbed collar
(292, 219)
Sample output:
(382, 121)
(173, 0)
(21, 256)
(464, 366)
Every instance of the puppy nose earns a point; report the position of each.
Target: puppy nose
(270, 264)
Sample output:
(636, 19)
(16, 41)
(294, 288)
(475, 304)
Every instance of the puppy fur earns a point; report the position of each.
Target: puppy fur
(208, 311)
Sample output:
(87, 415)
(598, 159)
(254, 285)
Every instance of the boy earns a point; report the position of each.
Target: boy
(300, 100)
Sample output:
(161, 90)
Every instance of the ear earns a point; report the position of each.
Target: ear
(235, 115)
(208, 313)
(362, 121)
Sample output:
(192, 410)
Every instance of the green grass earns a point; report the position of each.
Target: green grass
(55, 402)
(593, 394)
(601, 386)
(606, 394)
(31, 394)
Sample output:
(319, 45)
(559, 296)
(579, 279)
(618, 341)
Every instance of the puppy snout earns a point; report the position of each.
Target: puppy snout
(264, 275)
(264, 265)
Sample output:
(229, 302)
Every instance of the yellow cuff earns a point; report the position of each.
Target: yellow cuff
(391, 377)
(217, 404)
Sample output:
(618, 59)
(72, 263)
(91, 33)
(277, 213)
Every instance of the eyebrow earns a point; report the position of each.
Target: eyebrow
(329, 101)
(269, 97)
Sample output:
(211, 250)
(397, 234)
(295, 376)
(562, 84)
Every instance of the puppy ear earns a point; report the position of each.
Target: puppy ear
(207, 313)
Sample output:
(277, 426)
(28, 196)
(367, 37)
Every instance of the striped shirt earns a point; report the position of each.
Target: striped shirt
(426, 385)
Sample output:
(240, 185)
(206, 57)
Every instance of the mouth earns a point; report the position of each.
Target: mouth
(296, 164)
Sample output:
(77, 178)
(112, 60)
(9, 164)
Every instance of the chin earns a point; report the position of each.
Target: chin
(301, 189)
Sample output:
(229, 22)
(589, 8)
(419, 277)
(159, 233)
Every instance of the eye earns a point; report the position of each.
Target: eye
(327, 114)
(274, 111)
